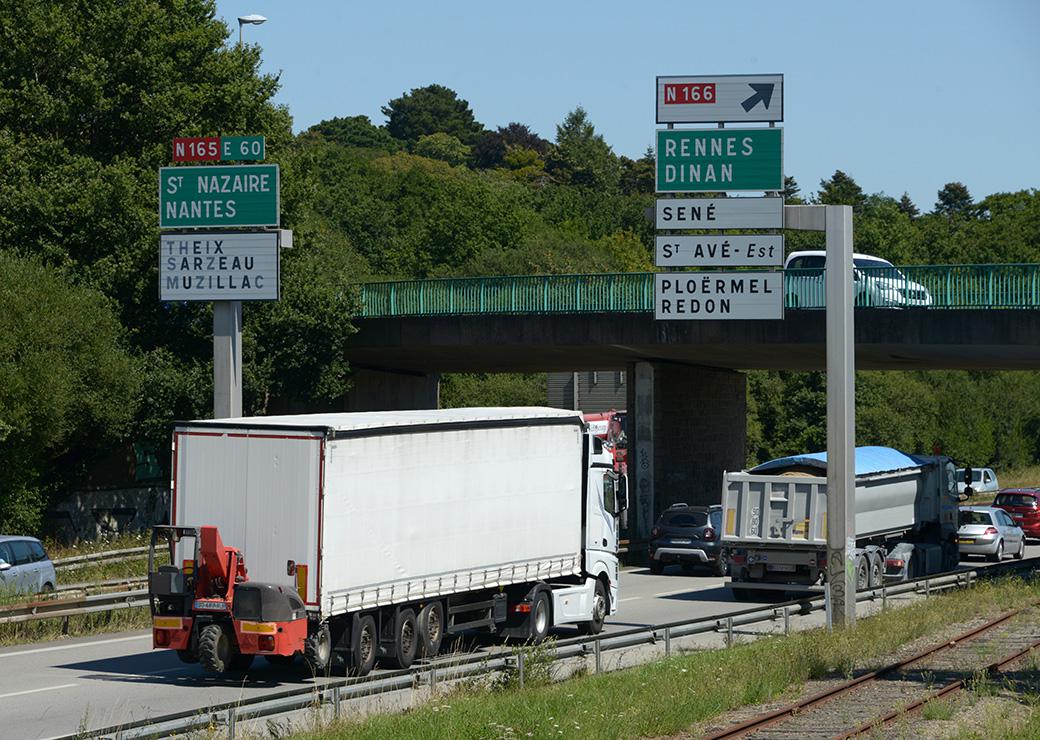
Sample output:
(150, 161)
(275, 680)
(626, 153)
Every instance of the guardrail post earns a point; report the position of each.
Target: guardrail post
(599, 657)
(729, 632)
(667, 642)
(884, 598)
(335, 702)
(787, 620)
(65, 626)
(927, 587)
(231, 724)
(433, 679)
(520, 667)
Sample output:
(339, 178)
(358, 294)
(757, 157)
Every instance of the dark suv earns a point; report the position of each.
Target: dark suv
(688, 535)
(1023, 504)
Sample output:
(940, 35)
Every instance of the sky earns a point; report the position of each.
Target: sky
(903, 96)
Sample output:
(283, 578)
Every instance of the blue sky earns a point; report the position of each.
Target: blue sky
(903, 96)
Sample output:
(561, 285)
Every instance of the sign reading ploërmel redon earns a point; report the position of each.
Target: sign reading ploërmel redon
(219, 195)
(719, 295)
(237, 266)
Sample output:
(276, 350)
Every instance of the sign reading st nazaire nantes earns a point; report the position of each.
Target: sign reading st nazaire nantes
(233, 195)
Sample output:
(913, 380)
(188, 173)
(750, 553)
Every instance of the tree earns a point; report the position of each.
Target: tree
(491, 148)
(430, 110)
(355, 131)
(907, 206)
(791, 190)
(581, 156)
(444, 147)
(638, 177)
(66, 379)
(954, 201)
(841, 190)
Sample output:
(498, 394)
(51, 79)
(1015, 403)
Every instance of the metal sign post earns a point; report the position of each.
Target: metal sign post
(227, 359)
(836, 222)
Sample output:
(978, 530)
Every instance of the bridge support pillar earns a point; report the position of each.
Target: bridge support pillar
(688, 424)
(376, 389)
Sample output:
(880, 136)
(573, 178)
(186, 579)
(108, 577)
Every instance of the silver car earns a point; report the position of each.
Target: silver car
(25, 567)
(987, 531)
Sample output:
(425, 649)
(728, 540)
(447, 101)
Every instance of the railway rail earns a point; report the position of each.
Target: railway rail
(882, 697)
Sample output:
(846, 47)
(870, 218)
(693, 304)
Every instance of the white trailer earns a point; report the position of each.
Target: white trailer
(399, 528)
(775, 521)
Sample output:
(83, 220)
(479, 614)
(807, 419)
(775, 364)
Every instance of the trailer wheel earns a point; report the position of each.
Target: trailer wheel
(215, 649)
(539, 617)
(406, 639)
(363, 642)
(431, 629)
(877, 572)
(862, 573)
(317, 650)
(599, 612)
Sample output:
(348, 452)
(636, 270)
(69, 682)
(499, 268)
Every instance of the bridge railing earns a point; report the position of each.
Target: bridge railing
(993, 286)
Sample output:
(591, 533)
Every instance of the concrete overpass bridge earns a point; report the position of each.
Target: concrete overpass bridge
(686, 394)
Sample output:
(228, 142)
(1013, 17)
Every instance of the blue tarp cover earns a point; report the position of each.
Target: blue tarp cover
(868, 460)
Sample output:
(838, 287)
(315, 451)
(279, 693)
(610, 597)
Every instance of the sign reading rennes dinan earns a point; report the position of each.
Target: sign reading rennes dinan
(237, 266)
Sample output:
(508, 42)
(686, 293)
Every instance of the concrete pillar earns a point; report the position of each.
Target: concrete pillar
(375, 389)
(687, 425)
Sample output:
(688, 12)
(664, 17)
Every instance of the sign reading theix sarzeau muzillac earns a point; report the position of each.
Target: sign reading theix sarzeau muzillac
(218, 196)
(718, 295)
(718, 160)
(236, 266)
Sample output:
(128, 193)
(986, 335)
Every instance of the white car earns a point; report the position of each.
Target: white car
(24, 566)
(983, 480)
(878, 283)
(989, 532)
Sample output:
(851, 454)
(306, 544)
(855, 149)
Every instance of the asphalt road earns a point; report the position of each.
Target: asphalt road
(73, 685)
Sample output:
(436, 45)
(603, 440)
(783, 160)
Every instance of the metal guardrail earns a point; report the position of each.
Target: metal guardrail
(78, 561)
(986, 286)
(64, 608)
(336, 691)
(114, 583)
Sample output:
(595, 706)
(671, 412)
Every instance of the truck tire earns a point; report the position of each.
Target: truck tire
(431, 629)
(877, 572)
(215, 649)
(317, 650)
(363, 642)
(600, 607)
(540, 618)
(862, 573)
(999, 554)
(656, 567)
(721, 567)
(406, 640)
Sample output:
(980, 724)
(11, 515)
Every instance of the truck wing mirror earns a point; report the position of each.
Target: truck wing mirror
(621, 500)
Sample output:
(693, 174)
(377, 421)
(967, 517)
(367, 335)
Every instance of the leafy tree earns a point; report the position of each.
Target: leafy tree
(430, 110)
(524, 164)
(841, 190)
(355, 131)
(907, 206)
(66, 379)
(638, 176)
(954, 200)
(791, 190)
(581, 157)
(444, 147)
(491, 148)
(493, 389)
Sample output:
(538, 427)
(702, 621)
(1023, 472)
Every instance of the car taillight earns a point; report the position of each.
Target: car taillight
(990, 530)
(709, 534)
(654, 532)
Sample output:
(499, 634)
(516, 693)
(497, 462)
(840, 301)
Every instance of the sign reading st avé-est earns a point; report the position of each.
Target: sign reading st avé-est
(232, 195)
(718, 160)
(720, 250)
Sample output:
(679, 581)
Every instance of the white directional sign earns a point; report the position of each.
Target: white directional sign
(719, 295)
(720, 98)
(720, 213)
(236, 266)
(720, 250)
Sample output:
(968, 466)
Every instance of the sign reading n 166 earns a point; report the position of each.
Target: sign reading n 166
(690, 161)
(235, 195)
(720, 98)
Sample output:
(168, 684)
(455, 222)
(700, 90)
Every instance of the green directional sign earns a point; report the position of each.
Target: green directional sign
(717, 160)
(231, 195)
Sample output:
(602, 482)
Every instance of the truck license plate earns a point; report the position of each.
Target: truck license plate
(781, 568)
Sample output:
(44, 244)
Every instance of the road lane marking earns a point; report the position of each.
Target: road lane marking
(674, 593)
(630, 598)
(36, 691)
(75, 645)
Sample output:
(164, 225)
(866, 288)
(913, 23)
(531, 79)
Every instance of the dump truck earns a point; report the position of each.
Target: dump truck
(775, 521)
(362, 538)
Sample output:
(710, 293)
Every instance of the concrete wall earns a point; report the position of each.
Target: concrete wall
(87, 515)
(598, 390)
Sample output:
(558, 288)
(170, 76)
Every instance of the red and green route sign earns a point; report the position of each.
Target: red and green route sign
(222, 195)
(719, 160)
(219, 149)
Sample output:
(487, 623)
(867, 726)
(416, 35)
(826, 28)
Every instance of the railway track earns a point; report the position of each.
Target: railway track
(868, 703)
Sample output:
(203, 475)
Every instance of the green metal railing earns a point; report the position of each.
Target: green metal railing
(921, 286)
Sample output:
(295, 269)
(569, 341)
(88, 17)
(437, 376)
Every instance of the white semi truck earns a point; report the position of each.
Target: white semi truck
(386, 531)
(775, 521)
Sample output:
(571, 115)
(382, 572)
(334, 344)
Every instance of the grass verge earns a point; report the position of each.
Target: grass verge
(47, 630)
(671, 695)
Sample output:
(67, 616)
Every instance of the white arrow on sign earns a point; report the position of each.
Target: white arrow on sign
(720, 99)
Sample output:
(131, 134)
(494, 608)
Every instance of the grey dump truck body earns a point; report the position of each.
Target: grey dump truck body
(775, 520)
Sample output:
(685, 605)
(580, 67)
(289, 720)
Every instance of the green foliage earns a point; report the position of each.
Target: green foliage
(581, 156)
(954, 201)
(354, 131)
(841, 190)
(442, 146)
(492, 389)
(65, 379)
(492, 147)
(429, 110)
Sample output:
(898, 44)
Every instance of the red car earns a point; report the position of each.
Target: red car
(1023, 504)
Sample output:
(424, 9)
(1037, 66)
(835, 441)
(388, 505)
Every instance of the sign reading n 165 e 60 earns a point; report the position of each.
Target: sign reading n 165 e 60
(238, 266)
(719, 295)
(720, 98)
(232, 195)
(705, 160)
